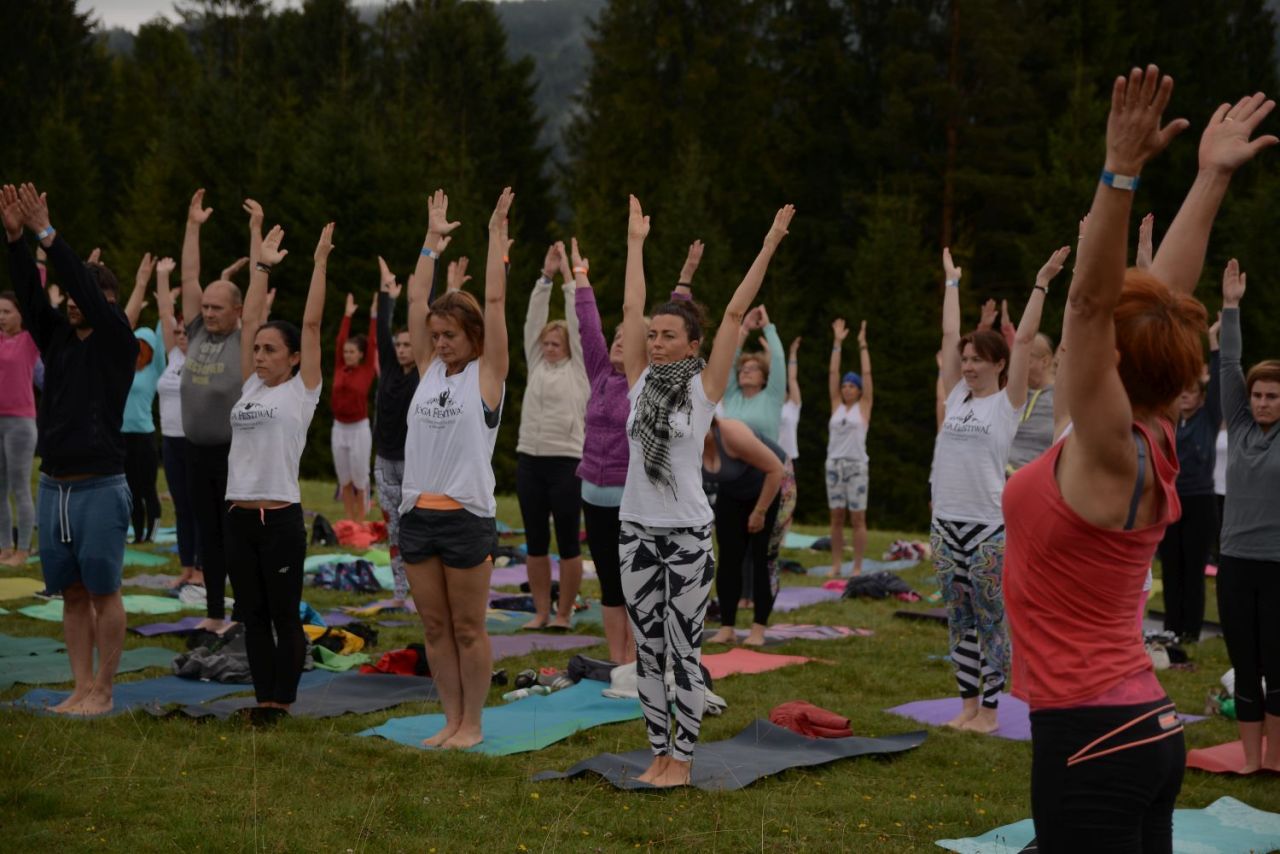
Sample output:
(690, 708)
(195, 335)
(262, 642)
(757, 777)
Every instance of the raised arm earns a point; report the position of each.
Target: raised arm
(950, 368)
(1093, 385)
(740, 442)
(371, 341)
(634, 335)
(197, 215)
(1146, 242)
(839, 332)
(716, 375)
(868, 395)
(539, 304)
(255, 299)
(684, 285)
(1061, 415)
(313, 313)
(776, 387)
(344, 329)
(254, 210)
(423, 278)
(229, 272)
(456, 275)
(494, 363)
(164, 304)
(388, 293)
(138, 296)
(793, 372)
(38, 315)
(1224, 147)
(1020, 355)
(1234, 394)
(569, 270)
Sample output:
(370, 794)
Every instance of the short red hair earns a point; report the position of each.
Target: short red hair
(1158, 335)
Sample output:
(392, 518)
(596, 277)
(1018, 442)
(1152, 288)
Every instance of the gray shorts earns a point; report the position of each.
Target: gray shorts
(83, 525)
(847, 482)
(459, 538)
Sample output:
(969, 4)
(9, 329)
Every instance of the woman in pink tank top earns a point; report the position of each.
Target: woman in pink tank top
(1084, 520)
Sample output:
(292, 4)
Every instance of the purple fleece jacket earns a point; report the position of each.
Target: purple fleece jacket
(604, 449)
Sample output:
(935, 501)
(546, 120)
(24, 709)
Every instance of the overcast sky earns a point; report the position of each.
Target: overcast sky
(131, 14)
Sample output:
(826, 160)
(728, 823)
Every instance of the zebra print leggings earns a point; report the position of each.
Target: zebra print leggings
(666, 581)
(969, 558)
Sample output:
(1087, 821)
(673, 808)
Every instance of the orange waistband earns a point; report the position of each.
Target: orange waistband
(432, 501)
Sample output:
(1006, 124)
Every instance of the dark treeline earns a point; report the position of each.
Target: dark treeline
(894, 126)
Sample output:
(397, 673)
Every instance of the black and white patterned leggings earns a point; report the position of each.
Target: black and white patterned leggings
(666, 580)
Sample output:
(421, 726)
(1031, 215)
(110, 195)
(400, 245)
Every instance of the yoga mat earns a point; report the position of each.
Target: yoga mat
(790, 598)
(758, 751)
(869, 565)
(525, 725)
(510, 646)
(335, 619)
(787, 631)
(931, 615)
(153, 582)
(372, 609)
(134, 557)
(184, 626)
(1226, 826)
(314, 562)
(327, 659)
(1220, 759)
(165, 536)
(384, 575)
(144, 693)
(517, 573)
(1155, 622)
(1013, 717)
(133, 604)
(799, 541)
(56, 667)
(19, 587)
(312, 680)
(504, 622)
(11, 645)
(722, 664)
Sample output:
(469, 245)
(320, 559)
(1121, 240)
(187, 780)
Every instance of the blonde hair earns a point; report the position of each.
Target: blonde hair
(563, 327)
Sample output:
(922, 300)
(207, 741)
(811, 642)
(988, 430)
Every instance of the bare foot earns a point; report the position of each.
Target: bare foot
(98, 702)
(835, 572)
(76, 698)
(756, 636)
(727, 634)
(6, 553)
(538, 622)
(966, 714)
(676, 773)
(16, 558)
(182, 579)
(1249, 768)
(442, 736)
(655, 768)
(857, 570)
(462, 739)
(983, 722)
(224, 627)
(197, 578)
(209, 624)
(561, 623)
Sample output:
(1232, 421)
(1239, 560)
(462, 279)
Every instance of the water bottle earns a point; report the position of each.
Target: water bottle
(521, 693)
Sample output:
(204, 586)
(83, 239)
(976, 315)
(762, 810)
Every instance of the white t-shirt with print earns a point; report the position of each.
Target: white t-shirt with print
(788, 428)
(969, 456)
(268, 432)
(847, 434)
(169, 391)
(647, 504)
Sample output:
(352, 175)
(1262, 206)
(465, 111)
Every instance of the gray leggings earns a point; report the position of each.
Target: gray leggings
(17, 452)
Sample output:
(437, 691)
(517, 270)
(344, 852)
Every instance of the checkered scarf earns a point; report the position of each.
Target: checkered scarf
(666, 391)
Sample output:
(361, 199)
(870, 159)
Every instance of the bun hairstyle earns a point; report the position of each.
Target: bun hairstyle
(1158, 336)
(463, 309)
(991, 347)
(291, 334)
(690, 312)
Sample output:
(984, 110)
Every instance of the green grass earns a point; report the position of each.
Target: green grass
(140, 784)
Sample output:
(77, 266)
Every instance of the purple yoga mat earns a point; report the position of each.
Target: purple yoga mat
(509, 646)
(790, 598)
(787, 631)
(182, 627)
(334, 619)
(1013, 717)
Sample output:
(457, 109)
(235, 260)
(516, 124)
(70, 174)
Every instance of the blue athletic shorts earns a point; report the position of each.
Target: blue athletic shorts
(83, 526)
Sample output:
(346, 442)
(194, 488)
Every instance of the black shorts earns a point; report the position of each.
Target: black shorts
(459, 538)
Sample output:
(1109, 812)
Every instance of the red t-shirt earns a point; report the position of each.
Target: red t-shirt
(1071, 588)
(350, 398)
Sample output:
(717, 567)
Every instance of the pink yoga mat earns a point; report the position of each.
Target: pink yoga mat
(735, 661)
(1220, 759)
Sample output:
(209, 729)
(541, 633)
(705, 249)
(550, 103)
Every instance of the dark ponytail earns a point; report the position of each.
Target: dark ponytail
(292, 337)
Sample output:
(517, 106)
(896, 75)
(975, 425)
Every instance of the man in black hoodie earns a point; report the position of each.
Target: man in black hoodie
(83, 506)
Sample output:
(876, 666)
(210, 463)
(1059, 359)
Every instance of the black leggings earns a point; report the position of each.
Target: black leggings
(1184, 551)
(603, 528)
(549, 488)
(207, 486)
(1249, 605)
(140, 469)
(266, 551)
(1113, 796)
(735, 544)
(174, 453)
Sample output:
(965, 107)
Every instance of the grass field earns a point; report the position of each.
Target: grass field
(136, 783)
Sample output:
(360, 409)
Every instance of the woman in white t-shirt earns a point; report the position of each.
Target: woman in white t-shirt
(173, 445)
(665, 539)
(788, 428)
(266, 536)
(986, 389)
(448, 528)
(847, 467)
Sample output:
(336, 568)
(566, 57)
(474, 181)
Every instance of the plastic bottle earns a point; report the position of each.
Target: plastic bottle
(521, 693)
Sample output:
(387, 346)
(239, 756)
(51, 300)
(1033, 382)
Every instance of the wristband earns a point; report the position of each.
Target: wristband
(577, 270)
(1120, 182)
(836, 348)
(262, 268)
(792, 362)
(428, 252)
(47, 231)
(544, 279)
(1043, 288)
(953, 283)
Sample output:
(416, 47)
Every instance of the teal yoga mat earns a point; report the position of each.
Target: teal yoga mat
(525, 725)
(51, 611)
(144, 693)
(132, 557)
(794, 540)
(56, 667)
(14, 645)
(1226, 826)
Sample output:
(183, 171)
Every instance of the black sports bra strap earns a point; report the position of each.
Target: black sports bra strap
(1137, 487)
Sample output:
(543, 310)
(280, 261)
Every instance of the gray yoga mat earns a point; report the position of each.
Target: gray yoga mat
(53, 667)
(11, 645)
(758, 751)
(339, 694)
(144, 693)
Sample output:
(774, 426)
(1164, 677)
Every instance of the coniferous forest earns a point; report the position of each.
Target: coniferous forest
(894, 126)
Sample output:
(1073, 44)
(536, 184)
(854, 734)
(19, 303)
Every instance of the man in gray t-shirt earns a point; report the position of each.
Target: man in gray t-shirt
(1035, 427)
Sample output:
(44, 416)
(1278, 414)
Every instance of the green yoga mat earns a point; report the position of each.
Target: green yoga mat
(133, 604)
(327, 659)
(11, 645)
(19, 587)
(56, 667)
(132, 557)
(525, 725)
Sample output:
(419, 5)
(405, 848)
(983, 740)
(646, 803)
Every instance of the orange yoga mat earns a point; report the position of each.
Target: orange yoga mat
(1221, 759)
(740, 660)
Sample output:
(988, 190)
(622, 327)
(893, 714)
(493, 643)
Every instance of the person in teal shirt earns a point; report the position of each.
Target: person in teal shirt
(139, 431)
(755, 393)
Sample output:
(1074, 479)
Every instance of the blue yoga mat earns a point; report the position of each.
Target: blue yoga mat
(529, 724)
(158, 692)
(1226, 826)
(54, 667)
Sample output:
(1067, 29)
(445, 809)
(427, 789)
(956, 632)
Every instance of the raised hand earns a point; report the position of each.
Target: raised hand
(949, 269)
(691, 262)
(988, 318)
(580, 264)
(637, 222)
(1146, 246)
(95, 256)
(778, 230)
(254, 210)
(840, 331)
(438, 225)
(56, 297)
(164, 267)
(562, 255)
(145, 268)
(862, 335)
(387, 280)
(1225, 145)
(271, 253)
(795, 344)
(1051, 268)
(764, 316)
(501, 212)
(236, 267)
(11, 212)
(752, 321)
(34, 206)
(551, 261)
(351, 304)
(325, 244)
(457, 274)
(373, 305)
(1214, 331)
(197, 213)
(1233, 282)
(1134, 133)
